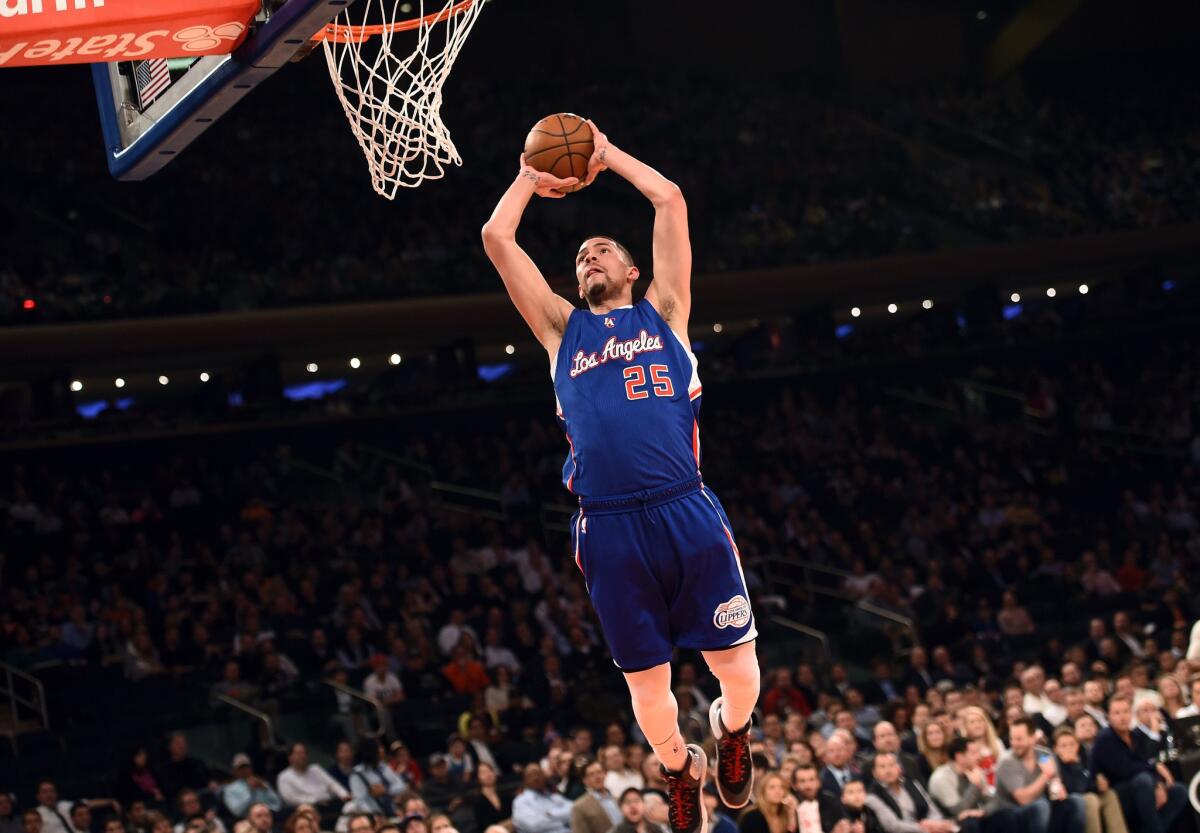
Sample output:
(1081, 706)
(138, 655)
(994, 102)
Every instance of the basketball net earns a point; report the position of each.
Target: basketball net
(393, 101)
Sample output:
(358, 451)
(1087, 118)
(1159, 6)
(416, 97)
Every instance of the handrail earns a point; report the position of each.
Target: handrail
(381, 712)
(257, 714)
(899, 619)
(804, 630)
(392, 457)
(14, 699)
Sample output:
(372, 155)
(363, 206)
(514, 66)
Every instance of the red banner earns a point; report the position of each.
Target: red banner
(37, 32)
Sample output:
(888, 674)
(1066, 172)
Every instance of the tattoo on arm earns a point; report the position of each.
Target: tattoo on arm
(531, 176)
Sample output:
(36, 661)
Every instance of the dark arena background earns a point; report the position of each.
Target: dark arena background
(280, 479)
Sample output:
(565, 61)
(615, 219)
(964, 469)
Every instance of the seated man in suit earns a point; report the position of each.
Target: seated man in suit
(818, 811)
(902, 806)
(595, 811)
(839, 764)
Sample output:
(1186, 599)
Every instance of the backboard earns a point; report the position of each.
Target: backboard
(152, 109)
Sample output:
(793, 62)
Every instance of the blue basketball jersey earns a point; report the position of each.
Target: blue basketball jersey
(628, 398)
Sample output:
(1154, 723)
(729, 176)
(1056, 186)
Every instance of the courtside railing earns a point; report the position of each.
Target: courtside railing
(383, 719)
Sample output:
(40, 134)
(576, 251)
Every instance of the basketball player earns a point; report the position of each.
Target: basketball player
(651, 539)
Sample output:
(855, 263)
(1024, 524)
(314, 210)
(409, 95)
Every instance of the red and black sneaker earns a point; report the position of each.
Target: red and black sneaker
(735, 770)
(685, 799)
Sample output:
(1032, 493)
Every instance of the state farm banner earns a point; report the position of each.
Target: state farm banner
(35, 32)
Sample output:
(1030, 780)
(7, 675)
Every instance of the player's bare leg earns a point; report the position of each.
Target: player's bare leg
(684, 765)
(737, 670)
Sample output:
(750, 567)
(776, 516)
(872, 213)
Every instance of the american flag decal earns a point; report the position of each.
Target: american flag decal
(152, 78)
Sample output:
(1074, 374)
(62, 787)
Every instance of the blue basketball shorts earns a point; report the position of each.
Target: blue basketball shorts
(662, 571)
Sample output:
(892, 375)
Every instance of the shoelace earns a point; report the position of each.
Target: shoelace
(733, 767)
(683, 800)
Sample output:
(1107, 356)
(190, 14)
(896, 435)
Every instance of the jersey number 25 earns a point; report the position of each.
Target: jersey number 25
(635, 382)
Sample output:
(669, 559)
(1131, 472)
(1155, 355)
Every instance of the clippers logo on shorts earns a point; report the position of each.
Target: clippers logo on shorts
(734, 613)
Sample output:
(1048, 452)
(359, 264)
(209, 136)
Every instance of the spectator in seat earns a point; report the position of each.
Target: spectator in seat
(248, 789)
(783, 697)
(1027, 780)
(917, 674)
(465, 674)
(382, 684)
(839, 764)
(56, 815)
(10, 819)
(1095, 693)
(595, 811)
(343, 764)
(902, 806)
(373, 785)
(491, 806)
(887, 739)
(1101, 806)
(773, 810)
(1149, 796)
(619, 776)
(977, 726)
(1192, 710)
(633, 815)
(859, 817)
(931, 748)
(1085, 730)
(537, 809)
(191, 808)
(31, 821)
(1148, 723)
(137, 781)
(961, 791)
(80, 818)
(442, 786)
(817, 811)
(261, 818)
(114, 825)
(305, 783)
(401, 762)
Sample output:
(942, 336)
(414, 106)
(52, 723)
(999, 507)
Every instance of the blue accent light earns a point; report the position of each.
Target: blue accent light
(124, 404)
(844, 330)
(492, 372)
(314, 390)
(91, 410)
(961, 321)
(235, 399)
(1168, 286)
(1011, 311)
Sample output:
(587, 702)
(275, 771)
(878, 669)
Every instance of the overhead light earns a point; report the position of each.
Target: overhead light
(927, 303)
(204, 377)
(1015, 297)
(119, 382)
(1051, 292)
(77, 386)
(355, 363)
(718, 327)
(855, 312)
(162, 380)
(981, 15)
(892, 308)
(394, 358)
(508, 348)
(1083, 289)
(311, 367)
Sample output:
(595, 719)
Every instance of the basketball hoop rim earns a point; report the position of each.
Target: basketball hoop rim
(340, 33)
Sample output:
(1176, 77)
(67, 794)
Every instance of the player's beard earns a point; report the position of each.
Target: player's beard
(598, 292)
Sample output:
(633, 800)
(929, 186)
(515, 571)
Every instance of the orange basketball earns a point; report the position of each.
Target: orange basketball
(560, 145)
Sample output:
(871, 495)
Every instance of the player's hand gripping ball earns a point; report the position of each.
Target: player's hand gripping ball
(561, 146)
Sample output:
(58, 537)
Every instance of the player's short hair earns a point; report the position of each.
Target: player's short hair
(625, 255)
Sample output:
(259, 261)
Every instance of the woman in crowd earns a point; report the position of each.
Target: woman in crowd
(1148, 722)
(137, 782)
(490, 806)
(773, 810)
(1172, 694)
(977, 726)
(931, 746)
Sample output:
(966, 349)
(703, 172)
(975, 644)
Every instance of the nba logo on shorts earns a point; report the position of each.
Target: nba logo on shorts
(732, 614)
(608, 322)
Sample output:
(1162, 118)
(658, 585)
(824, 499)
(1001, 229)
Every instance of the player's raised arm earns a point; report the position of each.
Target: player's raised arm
(671, 289)
(544, 311)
